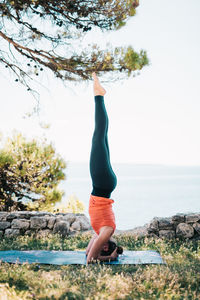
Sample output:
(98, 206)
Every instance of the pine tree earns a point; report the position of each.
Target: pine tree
(38, 35)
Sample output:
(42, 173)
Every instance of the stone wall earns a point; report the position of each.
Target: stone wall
(180, 225)
(43, 223)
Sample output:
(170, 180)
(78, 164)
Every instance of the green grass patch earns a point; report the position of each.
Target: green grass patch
(179, 279)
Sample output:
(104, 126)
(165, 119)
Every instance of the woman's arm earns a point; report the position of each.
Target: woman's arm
(91, 243)
(112, 257)
(98, 243)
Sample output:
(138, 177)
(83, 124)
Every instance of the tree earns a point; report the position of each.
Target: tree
(37, 35)
(30, 172)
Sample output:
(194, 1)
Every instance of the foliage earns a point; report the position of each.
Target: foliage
(39, 35)
(179, 279)
(30, 172)
(73, 205)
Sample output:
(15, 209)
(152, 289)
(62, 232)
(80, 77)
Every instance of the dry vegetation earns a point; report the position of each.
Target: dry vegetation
(179, 279)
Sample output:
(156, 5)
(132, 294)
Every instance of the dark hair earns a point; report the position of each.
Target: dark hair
(111, 247)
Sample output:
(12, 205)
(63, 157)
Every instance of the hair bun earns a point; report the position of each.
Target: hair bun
(119, 250)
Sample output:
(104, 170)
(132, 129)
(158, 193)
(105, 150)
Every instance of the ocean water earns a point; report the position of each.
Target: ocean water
(142, 192)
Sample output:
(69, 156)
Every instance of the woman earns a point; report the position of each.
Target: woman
(104, 182)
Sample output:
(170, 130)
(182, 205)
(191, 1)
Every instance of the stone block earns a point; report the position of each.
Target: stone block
(184, 230)
(168, 234)
(38, 222)
(11, 232)
(26, 214)
(178, 218)
(196, 227)
(4, 225)
(12, 216)
(44, 214)
(50, 222)
(61, 227)
(76, 226)
(84, 222)
(19, 215)
(192, 218)
(3, 215)
(165, 223)
(69, 217)
(153, 226)
(20, 223)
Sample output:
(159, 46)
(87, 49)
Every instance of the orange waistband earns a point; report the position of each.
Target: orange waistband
(99, 202)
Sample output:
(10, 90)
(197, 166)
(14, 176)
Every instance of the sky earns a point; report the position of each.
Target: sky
(153, 118)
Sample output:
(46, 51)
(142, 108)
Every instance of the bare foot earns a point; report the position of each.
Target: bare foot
(98, 89)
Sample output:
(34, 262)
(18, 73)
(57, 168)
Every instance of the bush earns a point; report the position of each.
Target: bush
(30, 172)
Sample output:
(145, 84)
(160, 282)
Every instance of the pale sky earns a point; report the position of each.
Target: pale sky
(154, 117)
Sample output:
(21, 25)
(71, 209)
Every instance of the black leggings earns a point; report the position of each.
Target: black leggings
(104, 179)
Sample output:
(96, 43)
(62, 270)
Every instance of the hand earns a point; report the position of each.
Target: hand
(114, 254)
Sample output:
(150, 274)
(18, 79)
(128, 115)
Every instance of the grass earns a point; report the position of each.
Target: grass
(179, 279)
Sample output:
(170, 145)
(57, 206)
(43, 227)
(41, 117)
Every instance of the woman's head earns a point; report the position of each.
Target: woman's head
(109, 247)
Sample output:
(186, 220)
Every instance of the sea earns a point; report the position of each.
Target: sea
(143, 191)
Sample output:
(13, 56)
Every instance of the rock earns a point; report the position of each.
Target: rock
(76, 226)
(4, 225)
(38, 222)
(165, 223)
(169, 234)
(153, 226)
(61, 227)
(196, 227)
(192, 218)
(20, 223)
(20, 215)
(11, 232)
(27, 214)
(184, 230)
(69, 217)
(84, 222)
(12, 216)
(50, 222)
(178, 218)
(1, 233)
(3, 215)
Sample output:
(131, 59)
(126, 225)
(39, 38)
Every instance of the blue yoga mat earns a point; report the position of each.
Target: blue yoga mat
(77, 257)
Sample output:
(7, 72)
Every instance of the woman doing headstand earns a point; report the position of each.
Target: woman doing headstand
(104, 182)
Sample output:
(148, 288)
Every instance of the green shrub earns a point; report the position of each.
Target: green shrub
(30, 172)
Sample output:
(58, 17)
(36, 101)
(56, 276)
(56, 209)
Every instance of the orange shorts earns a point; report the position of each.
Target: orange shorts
(101, 213)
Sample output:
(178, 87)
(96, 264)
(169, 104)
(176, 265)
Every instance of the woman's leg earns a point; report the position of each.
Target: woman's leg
(103, 178)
